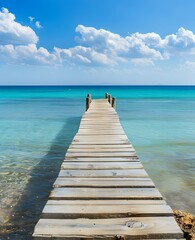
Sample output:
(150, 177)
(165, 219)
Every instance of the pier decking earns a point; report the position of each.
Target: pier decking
(103, 191)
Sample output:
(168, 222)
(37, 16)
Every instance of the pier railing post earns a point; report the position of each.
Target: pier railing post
(109, 98)
(114, 102)
(88, 101)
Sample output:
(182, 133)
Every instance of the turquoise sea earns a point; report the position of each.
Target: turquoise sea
(38, 123)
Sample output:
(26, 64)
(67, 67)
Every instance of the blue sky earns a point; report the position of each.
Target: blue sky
(80, 42)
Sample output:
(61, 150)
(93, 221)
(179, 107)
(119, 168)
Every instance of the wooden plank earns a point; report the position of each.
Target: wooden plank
(103, 159)
(103, 182)
(115, 228)
(99, 137)
(100, 116)
(109, 120)
(104, 193)
(68, 165)
(100, 146)
(101, 150)
(107, 202)
(104, 211)
(100, 132)
(106, 126)
(99, 127)
(122, 173)
(88, 141)
(100, 154)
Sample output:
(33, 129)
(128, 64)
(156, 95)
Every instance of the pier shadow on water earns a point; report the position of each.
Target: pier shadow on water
(28, 210)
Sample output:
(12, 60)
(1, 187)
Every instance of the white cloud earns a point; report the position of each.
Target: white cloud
(118, 48)
(83, 55)
(31, 18)
(101, 40)
(182, 40)
(26, 54)
(94, 46)
(12, 32)
(38, 24)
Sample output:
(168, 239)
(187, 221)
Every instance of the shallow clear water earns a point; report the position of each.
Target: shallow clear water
(38, 123)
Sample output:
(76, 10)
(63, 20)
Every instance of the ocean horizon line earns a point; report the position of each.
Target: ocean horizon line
(116, 85)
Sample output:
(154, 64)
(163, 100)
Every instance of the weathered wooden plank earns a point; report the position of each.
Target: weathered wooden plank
(100, 116)
(114, 142)
(100, 154)
(115, 228)
(125, 173)
(100, 132)
(99, 119)
(99, 137)
(114, 118)
(101, 150)
(100, 146)
(103, 126)
(96, 123)
(99, 127)
(107, 202)
(103, 159)
(120, 130)
(104, 211)
(106, 126)
(103, 182)
(68, 165)
(104, 193)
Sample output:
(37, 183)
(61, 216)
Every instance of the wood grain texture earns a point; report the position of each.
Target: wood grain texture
(101, 146)
(57, 211)
(103, 182)
(103, 159)
(129, 228)
(68, 165)
(100, 154)
(114, 173)
(107, 202)
(100, 150)
(104, 193)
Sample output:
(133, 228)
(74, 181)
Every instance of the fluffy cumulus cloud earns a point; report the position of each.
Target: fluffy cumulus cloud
(26, 54)
(115, 47)
(102, 47)
(83, 55)
(12, 32)
(99, 46)
(95, 47)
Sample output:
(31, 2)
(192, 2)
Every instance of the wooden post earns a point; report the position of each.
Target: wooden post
(89, 95)
(114, 102)
(109, 98)
(88, 101)
(106, 95)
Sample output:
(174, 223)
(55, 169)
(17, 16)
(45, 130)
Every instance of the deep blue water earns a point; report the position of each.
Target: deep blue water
(38, 123)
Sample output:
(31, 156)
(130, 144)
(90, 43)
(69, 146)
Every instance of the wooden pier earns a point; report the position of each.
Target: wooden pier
(103, 191)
